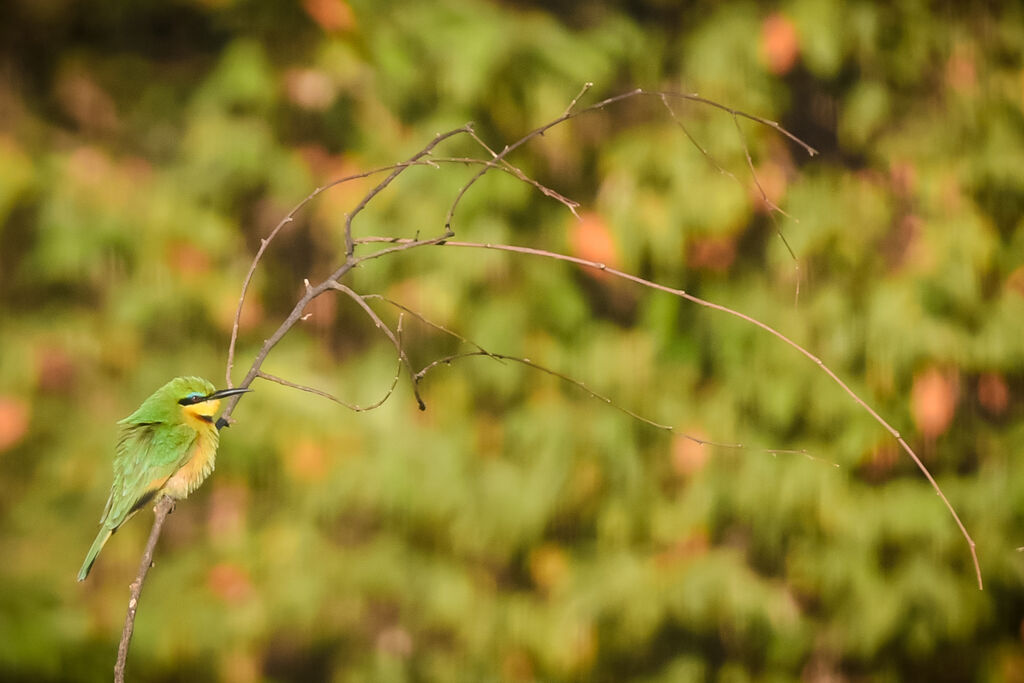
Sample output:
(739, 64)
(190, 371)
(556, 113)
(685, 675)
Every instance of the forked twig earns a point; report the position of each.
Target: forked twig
(507, 167)
(355, 408)
(395, 169)
(500, 357)
(381, 325)
(773, 208)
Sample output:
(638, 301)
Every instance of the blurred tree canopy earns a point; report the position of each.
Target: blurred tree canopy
(519, 530)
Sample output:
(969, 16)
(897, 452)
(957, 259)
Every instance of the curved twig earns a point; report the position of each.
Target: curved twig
(501, 357)
(752, 321)
(355, 408)
(571, 113)
(381, 325)
(773, 208)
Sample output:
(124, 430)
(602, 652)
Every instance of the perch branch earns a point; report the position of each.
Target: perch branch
(162, 509)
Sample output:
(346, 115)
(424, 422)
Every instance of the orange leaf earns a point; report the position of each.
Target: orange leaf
(14, 418)
(331, 15)
(933, 402)
(962, 70)
(780, 44)
(688, 456)
(590, 239)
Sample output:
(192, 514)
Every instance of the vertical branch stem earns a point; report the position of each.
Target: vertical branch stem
(162, 509)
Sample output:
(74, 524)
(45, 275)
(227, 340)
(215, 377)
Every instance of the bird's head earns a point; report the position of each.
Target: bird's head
(191, 400)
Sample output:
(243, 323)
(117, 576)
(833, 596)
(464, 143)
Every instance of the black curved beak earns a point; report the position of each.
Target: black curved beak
(224, 393)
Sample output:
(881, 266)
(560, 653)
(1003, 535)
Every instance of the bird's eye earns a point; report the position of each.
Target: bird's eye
(194, 397)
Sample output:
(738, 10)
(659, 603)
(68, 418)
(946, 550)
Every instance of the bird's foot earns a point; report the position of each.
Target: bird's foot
(171, 502)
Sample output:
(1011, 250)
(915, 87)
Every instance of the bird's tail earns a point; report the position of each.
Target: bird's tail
(97, 546)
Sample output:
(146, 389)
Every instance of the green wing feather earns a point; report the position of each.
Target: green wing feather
(147, 455)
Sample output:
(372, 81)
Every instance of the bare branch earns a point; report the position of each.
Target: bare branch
(331, 397)
(515, 171)
(368, 197)
(160, 512)
(263, 374)
(381, 325)
(554, 373)
(265, 242)
(311, 293)
(427, 321)
(522, 141)
(498, 161)
(447, 360)
(693, 97)
(757, 323)
(500, 357)
(707, 155)
(583, 91)
(772, 206)
(420, 158)
(570, 114)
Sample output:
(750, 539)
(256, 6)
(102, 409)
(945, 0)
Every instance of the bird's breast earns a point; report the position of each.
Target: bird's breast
(200, 463)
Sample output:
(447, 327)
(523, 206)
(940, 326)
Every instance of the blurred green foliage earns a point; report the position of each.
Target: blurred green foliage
(519, 530)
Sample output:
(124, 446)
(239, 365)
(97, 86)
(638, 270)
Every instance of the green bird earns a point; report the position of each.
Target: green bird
(166, 448)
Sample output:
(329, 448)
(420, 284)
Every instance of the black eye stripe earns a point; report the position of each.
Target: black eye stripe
(191, 399)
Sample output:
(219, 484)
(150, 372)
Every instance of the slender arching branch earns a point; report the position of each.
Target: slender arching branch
(498, 160)
(595, 265)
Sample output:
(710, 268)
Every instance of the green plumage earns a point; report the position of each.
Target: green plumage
(156, 441)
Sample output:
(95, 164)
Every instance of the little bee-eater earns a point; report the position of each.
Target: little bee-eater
(166, 448)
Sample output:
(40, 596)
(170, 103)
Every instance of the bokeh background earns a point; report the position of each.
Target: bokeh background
(518, 530)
